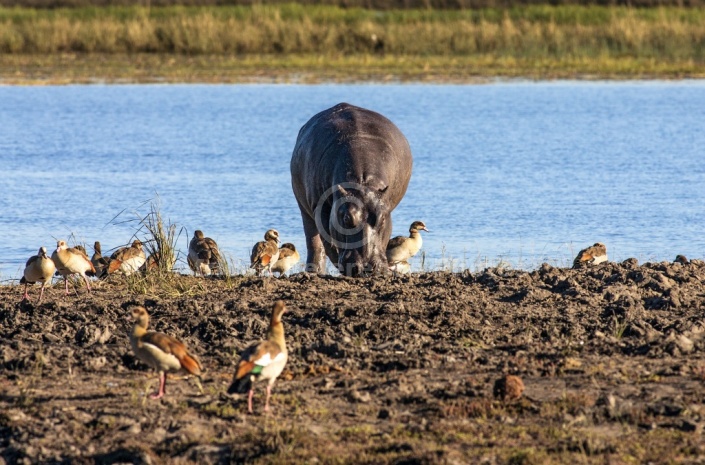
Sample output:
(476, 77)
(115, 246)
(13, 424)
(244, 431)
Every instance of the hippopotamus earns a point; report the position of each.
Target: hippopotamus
(349, 169)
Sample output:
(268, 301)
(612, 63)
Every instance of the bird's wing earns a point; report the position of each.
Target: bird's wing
(395, 242)
(258, 253)
(283, 253)
(172, 346)
(31, 260)
(213, 247)
(257, 357)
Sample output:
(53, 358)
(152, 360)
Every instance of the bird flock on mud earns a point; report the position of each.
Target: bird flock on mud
(262, 361)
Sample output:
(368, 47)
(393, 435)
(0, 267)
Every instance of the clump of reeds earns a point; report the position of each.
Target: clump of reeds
(159, 238)
(161, 241)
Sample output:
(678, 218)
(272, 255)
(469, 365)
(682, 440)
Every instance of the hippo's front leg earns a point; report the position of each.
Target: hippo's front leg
(316, 256)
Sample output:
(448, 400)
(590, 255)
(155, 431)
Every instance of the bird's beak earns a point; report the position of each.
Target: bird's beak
(426, 229)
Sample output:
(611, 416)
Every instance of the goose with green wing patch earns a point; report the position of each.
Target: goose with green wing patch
(263, 361)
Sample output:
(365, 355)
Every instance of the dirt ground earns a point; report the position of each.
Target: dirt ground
(381, 370)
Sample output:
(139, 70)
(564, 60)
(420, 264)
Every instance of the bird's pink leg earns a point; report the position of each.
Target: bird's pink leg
(162, 386)
(26, 295)
(266, 402)
(41, 293)
(88, 285)
(249, 400)
(66, 282)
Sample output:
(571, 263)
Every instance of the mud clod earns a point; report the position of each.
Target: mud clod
(508, 388)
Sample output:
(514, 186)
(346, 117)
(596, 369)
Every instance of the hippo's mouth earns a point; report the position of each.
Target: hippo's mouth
(352, 264)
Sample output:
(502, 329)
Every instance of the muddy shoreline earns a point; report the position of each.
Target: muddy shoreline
(383, 370)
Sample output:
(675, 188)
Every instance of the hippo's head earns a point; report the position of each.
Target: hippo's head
(360, 226)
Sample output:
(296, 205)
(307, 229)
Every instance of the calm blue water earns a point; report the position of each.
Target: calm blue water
(522, 172)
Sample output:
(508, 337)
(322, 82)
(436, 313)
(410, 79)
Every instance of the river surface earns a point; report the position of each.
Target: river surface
(520, 173)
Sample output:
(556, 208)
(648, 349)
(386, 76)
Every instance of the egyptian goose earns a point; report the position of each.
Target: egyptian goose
(39, 268)
(288, 257)
(203, 254)
(682, 259)
(262, 361)
(69, 260)
(597, 253)
(100, 263)
(265, 253)
(152, 262)
(403, 248)
(127, 259)
(161, 352)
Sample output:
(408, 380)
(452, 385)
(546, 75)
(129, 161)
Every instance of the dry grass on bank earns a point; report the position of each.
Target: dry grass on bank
(537, 32)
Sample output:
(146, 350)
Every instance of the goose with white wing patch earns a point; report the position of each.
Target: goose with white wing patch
(262, 361)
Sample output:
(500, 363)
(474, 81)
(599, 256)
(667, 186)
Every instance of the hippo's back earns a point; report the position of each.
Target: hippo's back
(346, 143)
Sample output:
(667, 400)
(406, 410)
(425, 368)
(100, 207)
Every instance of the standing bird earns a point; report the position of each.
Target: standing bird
(69, 260)
(265, 253)
(100, 263)
(127, 259)
(161, 352)
(597, 253)
(401, 248)
(288, 257)
(39, 268)
(203, 254)
(262, 361)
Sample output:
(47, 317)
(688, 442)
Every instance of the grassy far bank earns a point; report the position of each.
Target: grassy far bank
(173, 68)
(312, 43)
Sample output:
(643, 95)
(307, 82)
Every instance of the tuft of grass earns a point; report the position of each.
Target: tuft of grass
(619, 326)
(161, 240)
